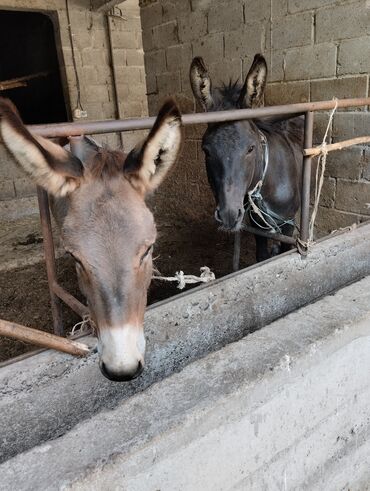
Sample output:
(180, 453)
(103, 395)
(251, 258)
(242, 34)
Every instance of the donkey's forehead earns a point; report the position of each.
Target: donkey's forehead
(108, 210)
(229, 134)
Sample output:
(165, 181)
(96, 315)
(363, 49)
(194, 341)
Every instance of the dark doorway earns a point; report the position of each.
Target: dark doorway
(28, 52)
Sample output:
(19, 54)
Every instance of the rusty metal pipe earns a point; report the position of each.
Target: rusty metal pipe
(112, 126)
(70, 300)
(49, 252)
(269, 235)
(306, 183)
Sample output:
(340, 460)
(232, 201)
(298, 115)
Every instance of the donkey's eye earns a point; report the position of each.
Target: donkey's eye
(250, 149)
(206, 151)
(146, 253)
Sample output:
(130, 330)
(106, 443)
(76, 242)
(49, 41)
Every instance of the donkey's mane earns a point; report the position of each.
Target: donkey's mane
(227, 96)
(106, 163)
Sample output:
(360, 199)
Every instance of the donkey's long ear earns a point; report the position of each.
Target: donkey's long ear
(147, 165)
(252, 91)
(201, 83)
(51, 166)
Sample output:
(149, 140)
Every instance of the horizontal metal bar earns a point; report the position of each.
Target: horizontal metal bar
(269, 235)
(111, 126)
(70, 300)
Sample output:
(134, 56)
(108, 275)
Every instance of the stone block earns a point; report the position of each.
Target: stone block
(328, 220)
(327, 197)
(309, 62)
(155, 61)
(192, 27)
(210, 47)
(128, 75)
(366, 163)
(151, 84)
(169, 83)
(321, 120)
(134, 57)
(287, 93)
(301, 5)
(350, 20)
(201, 5)
(166, 34)
(351, 125)
(24, 187)
(353, 196)
(148, 40)
(292, 31)
(244, 42)
(99, 38)
(225, 17)
(151, 15)
(279, 8)
(354, 56)
(172, 10)
(90, 75)
(97, 93)
(179, 55)
(275, 65)
(94, 57)
(342, 88)
(126, 40)
(119, 55)
(7, 190)
(225, 71)
(345, 164)
(257, 11)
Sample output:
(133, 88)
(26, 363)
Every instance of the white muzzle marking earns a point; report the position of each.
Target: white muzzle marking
(122, 348)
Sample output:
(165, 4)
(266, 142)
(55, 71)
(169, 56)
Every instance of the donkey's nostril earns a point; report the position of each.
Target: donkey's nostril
(217, 215)
(240, 214)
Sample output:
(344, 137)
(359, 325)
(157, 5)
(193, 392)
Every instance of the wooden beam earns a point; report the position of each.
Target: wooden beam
(41, 338)
(20, 81)
(331, 147)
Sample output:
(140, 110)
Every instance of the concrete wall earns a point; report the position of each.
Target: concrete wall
(96, 65)
(315, 50)
(284, 408)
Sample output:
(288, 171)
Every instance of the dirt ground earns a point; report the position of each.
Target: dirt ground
(24, 296)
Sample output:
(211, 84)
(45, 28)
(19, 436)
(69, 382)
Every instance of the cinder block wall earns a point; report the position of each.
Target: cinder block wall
(96, 66)
(316, 49)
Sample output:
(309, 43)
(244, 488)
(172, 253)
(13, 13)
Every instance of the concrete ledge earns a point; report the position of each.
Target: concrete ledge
(45, 396)
(284, 408)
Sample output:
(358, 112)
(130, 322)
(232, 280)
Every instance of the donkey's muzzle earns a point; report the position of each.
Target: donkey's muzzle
(231, 219)
(121, 376)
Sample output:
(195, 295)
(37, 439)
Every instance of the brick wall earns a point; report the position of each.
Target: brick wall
(94, 65)
(316, 49)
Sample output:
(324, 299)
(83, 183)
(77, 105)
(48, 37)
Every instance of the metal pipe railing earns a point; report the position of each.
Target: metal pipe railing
(77, 129)
(112, 126)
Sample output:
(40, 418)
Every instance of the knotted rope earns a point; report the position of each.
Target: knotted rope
(319, 181)
(206, 275)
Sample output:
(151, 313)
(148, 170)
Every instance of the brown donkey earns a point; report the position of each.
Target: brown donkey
(98, 201)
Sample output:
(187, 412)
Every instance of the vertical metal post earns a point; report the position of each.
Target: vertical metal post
(50, 259)
(236, 255)
(306, 184)
(76, 144)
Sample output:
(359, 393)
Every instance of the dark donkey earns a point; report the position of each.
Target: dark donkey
(99, 205)
(252, 160)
